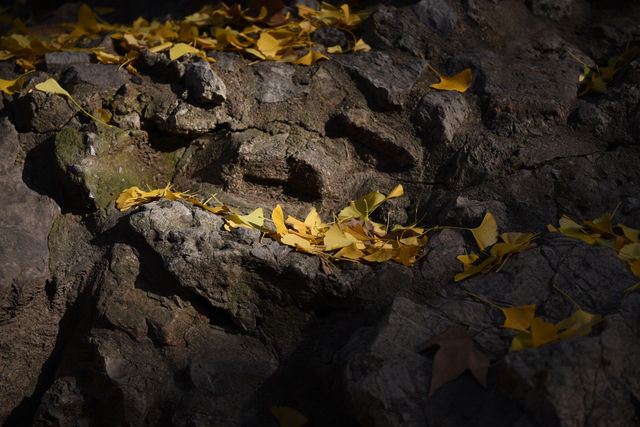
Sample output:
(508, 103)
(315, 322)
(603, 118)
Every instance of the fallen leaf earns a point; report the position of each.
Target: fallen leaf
(486, 234)
(278, 220)
(180, 49)
(578, 324)
(11, 86)
(457, 353)
(460, 82)
(288, 417)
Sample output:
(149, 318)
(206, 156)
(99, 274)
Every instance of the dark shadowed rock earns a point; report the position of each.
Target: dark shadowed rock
(440, 114)
(437, 15)
(390, 27)
(60, 61)
(160, 66)
(204, 86)
(42, 112)
(329, 36)
(383, 82)
(553, 9)
(397, 150)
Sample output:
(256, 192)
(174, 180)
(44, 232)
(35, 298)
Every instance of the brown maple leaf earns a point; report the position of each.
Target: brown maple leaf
(456, 354)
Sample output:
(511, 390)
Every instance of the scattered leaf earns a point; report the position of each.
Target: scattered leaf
(180, 49)
(460, 82)
(486, 234)
(278, 220)
(457, 353)
(288, 417)
(11, 86)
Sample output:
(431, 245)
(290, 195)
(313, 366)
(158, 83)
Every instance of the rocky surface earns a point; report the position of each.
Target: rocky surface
(158, 316)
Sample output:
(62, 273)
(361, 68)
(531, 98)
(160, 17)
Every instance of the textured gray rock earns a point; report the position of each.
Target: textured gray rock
(437, 15)
(383, 82)
(440, 114)
(98, 75)
(275, 82)
(203, 84)
(329, 36)
(60, 61)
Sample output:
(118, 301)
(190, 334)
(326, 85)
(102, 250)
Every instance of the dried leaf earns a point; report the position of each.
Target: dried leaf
(310, 58)
(180, 49)
(460, 82)
(278, 220)
(518, 318)
(361, 46)
(457, 353)
(11, 86)
(253, 220)
(486, 234)
(578, 324)
(335, 238)
(288, 417)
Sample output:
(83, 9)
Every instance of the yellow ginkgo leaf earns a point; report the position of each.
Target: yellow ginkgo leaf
(578, 325)
(361, 46)
(380, 255)
(161, 47)
(630, 233)
(602, 224)
(180, 49)
(288, 417)
(467, 260)
(11, 86)
(278, 220)
(486, 234)
(335, 238)
(542, 332)
(350, 252)
(334, 49)
(630, 253)
(518, 318)
(460, 82)
(253, 220)
(298, 242)
(52, 86)
(268, 45)
(310, 58)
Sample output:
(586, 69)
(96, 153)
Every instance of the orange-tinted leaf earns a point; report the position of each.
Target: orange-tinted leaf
(460, 82)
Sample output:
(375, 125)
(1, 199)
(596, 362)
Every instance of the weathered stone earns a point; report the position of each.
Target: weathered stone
(553, 9)
(204, 86)
(98, 75)
(275, 82)
(160, 66)
(60, 61)
(128, 121)
(390, 27)
(383, 82)
(440, 114)
(397, 150)
(26, 219)
(437, 15)
(42, 112)
(329, 36)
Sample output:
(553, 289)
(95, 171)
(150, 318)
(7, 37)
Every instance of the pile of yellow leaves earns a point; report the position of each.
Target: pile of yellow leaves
(486, 234)
(595, 79)
(264, 31)
(601, 231)
(351, 236)
(535, 331)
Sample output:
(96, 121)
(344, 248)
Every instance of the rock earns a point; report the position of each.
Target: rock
(329, 36)
(387, 380)
(437, 15)
(63, 403)
(203, 84)
(395, 150)
(42, 112)
(440, 115)
(128, 121)
(390, 27)
(186, 119)
(552, 9)
(26, 219)
(60, 61)
(99, 165)
(103, 76)
(275, 82)
(160, 66)
(382, 81)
